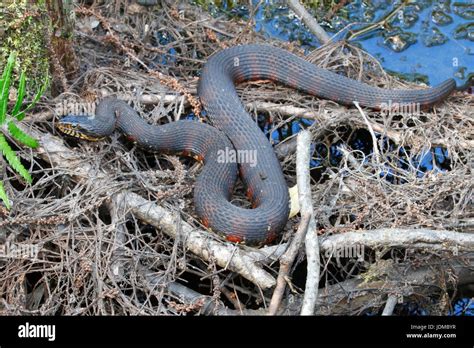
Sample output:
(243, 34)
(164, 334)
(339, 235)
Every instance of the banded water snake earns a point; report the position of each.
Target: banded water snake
(236, 130)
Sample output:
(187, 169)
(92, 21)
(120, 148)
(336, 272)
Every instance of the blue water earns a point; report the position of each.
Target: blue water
(452, 59)
(464, 306)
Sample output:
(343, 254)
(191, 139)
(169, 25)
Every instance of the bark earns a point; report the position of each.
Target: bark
(63, 59)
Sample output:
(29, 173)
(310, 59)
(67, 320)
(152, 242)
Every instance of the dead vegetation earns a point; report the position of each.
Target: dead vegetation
(115, 226)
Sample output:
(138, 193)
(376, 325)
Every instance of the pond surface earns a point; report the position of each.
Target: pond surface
(425, 41)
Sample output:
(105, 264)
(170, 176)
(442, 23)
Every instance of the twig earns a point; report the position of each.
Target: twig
(309, 21)
(286, 261)
(402, 237)
(117, 209)
(233, 298)
(390, 305)
(371, 131)
(268, 253)
(148, 99)
(306, 206)
(380, 24)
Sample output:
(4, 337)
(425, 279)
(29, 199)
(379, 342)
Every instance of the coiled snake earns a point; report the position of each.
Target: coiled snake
(236, 133)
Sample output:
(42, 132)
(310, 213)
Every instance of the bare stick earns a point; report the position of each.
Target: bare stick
(118, 254)
(397, 237)
(306, 206)
(390, 305)
(309, 21)
(371, 131)
(206, 305)
(268, 253)
(286, 261)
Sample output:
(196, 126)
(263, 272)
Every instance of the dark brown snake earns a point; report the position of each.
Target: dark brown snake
(236, 130)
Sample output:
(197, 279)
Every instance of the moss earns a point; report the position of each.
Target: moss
(24, 26)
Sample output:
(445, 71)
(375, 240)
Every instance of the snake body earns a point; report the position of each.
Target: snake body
(235, 130)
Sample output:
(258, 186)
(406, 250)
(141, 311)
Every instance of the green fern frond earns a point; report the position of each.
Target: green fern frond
(21, 95)
(16, 133)
(3, 196)
(38, 95)
(21, 136)
(13, 159)
(5, 86)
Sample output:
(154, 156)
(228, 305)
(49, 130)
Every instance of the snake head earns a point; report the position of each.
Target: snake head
(81, 127)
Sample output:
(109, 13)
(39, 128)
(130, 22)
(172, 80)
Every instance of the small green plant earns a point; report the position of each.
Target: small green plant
(8, 120)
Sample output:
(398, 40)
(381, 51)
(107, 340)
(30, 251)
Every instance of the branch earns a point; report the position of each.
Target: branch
(309, 21)
(306, 205)
(207, 305)
(372, 134)
(286, 261)
(356, 296)
(401, 237)
(198, 242)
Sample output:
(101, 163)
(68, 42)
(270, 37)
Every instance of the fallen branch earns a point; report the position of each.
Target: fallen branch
(117, 209)
(198, 242)
(306, 205)
(401, 237)
(204, 304)
(357, 296)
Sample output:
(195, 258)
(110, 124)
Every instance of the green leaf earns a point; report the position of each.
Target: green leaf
(5, 86)
(13, 159)
(21, 136)
(21, 95)
(3, 196)
(38, 95)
